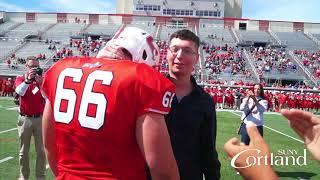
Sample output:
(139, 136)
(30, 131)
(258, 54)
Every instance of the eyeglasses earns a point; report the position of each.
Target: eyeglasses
(36, 66)
(186, 51)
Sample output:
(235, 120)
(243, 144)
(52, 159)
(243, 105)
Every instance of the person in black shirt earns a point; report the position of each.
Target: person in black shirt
(192, 120)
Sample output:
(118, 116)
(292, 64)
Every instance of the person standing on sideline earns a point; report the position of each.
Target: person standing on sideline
(28, 87)
(253, 107)
(192, 121)
(104, 117)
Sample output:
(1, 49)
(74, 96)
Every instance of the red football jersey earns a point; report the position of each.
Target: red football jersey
(95, 104)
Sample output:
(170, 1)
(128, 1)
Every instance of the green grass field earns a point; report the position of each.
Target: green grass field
(227, 125)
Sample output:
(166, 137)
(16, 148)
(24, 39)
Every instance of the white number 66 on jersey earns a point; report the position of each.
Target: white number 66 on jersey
(88, 97)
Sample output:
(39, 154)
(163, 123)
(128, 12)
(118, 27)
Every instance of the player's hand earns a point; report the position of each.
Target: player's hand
(307, 126)
(111, 51)
(257, 147)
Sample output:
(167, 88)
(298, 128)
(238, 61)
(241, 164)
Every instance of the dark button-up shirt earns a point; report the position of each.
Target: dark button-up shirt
(192, 127)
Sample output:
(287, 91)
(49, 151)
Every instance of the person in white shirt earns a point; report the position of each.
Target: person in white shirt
(253, 106)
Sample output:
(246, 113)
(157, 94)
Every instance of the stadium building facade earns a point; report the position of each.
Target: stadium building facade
(182, 8)
(143, 17)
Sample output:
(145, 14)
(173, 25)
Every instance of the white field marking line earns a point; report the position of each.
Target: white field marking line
(11, 108)
(8, 130)
(5, 159)
(276, 131)
(238, 111)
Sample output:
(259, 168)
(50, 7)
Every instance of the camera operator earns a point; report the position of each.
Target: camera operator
(28, 87)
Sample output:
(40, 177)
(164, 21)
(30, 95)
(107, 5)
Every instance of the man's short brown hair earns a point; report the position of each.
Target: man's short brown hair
(186, 34)
(33, 58)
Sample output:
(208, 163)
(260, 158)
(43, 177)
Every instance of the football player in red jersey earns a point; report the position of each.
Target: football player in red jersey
(104, 119)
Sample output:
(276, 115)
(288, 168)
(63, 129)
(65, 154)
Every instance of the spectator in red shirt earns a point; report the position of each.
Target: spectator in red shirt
(1, 91)
(28, 87)
(9, 87)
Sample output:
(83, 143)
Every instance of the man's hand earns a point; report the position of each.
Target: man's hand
(250, 94)
(307, 126)
(255, 171)
(38, 79)
(31, 74)
(111, 51)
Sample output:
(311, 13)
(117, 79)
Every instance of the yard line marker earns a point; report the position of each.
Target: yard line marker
(6, 159)
(8, 130)
(13, 108)
(284, 134)
(276, 131)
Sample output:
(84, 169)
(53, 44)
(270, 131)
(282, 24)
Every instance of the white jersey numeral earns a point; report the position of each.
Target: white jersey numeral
(94, 98)
(66, 94)
(88, 97)
(167, 99)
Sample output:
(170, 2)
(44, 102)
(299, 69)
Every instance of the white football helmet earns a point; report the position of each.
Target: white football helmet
(139, 43)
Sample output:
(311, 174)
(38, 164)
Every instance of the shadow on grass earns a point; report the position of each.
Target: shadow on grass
(302, 175)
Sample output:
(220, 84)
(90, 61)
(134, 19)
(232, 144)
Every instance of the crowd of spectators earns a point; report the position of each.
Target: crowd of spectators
(225, 59)
(226, 98)
(82, 47)
(271, 59)
(163, 47)
(310, 60)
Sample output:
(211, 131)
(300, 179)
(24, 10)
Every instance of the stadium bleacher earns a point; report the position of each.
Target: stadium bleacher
(257, 36)
(62, 31)
(296, 40)
(7, 26)
(103, 29)
(27, 29)
(215, 34)
(211, 32)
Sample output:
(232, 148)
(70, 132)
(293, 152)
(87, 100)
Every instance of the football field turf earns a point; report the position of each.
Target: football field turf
(281, 139)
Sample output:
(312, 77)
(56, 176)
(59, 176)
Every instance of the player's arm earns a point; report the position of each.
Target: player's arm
(154, 142)
(48, 134)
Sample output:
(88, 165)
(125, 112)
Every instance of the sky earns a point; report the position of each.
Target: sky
(279, 10)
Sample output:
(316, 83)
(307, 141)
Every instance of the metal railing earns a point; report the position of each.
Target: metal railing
(235, 35)
(275, 37)
(249, 59)
(313, 38)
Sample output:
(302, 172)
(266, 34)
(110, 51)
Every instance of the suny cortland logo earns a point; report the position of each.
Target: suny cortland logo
(282, 158)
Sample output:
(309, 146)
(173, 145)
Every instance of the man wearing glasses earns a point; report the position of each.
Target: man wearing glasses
(192, 119)
(28, 87)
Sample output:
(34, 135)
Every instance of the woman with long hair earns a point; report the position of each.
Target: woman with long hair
(253, 107)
